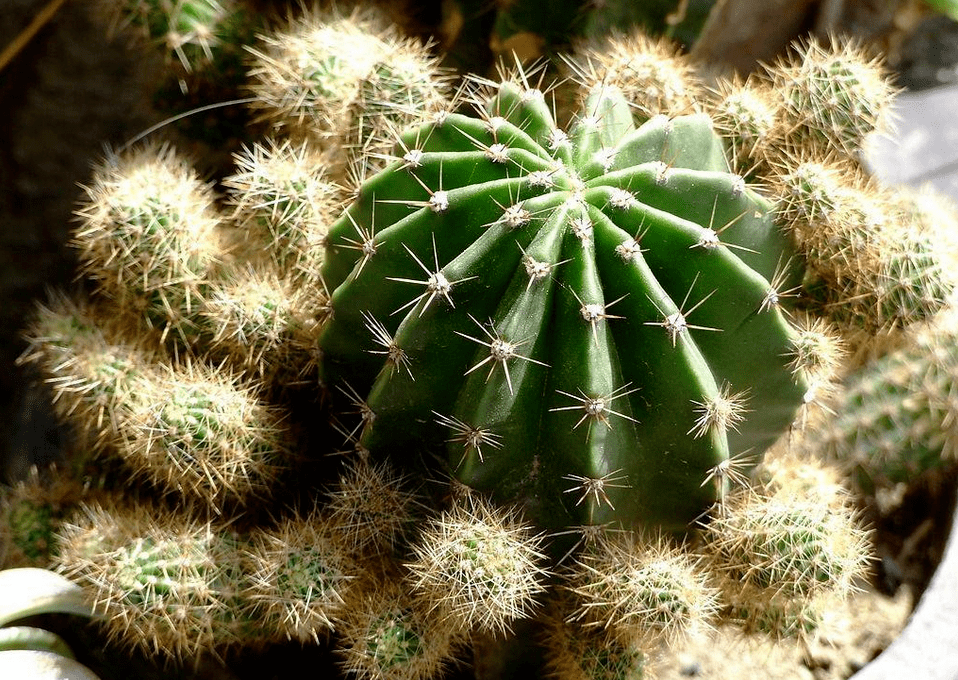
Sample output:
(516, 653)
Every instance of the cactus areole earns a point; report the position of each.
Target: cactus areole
(583, 323)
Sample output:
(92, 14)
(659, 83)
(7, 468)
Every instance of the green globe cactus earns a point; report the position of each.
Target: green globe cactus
(586, 327)
(587, 322)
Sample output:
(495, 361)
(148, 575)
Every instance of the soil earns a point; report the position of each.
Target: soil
(72, 91)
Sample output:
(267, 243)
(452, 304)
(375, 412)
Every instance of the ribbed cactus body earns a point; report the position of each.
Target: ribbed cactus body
(581, 319)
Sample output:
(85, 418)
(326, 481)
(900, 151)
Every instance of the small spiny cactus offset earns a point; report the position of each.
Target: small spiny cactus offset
(642, 591)
(477, 567)
(370, 509)
(345, 81)
(201, 432)
(880, 262)
(385, 635)
(781, 555)
(650, 72)
(298, 578)
(896, 416)
(150, 236)
(165, 582)
(183, 425)
(30, 515)
(834, 95)
(283, 202)
(746, 114)
(574, 652)
(264, 325)
(87, 363)
(874, 264)
(189, 30)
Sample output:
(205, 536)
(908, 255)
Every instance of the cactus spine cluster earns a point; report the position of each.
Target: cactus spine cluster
(556, 344)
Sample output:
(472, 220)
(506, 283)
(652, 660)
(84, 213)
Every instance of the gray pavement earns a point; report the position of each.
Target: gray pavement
(924, 148)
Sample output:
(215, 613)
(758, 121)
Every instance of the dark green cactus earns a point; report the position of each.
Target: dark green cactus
(586, 323)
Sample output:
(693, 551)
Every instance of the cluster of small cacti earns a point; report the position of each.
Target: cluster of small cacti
(897, 415)
(556, 346)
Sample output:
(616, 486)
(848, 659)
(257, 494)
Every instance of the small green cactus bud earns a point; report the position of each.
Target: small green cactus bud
(642, 590)
(370, 509)
(202, 433)
(789, 544)
(90, 367)
(833, 95)
(149, 236)
(477, 567)
(778, 552)
(818, 357)
(283, 203)
(385, 636)
(896, 416)
(575, 652)
(877, 269)
(265, 325)
(653, 76)
(188, 29)
(811, 194)
(347, 82)
(164, 584)
(31, 511)
(298, 576)
(745, 114)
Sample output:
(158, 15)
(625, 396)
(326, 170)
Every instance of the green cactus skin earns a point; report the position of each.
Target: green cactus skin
(521, 296)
